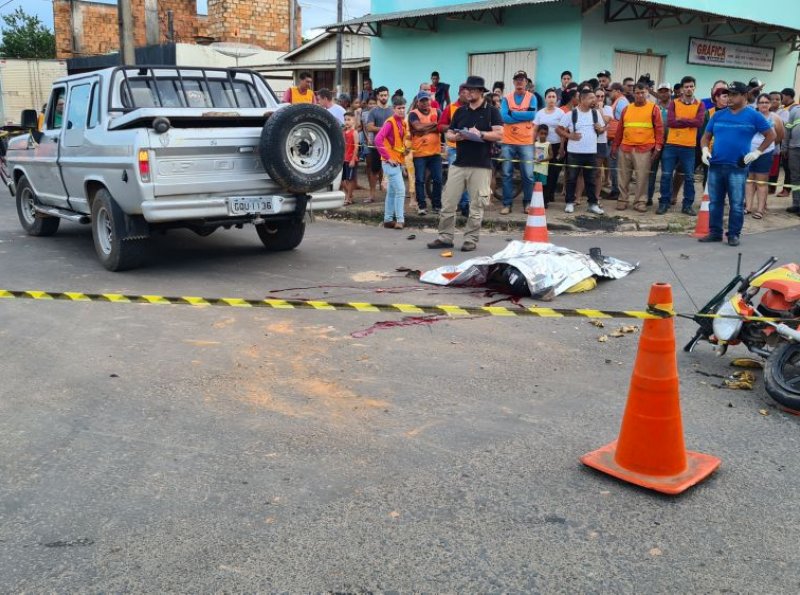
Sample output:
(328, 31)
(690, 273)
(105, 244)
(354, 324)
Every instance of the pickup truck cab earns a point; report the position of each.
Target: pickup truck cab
(141, 149)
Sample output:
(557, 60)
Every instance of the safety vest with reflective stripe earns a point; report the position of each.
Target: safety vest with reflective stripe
(613, 124)
(397, 149)
(684, 137)
(453, 107)
(425, 145)
(520, 133)
(638, 127)
(298, 97)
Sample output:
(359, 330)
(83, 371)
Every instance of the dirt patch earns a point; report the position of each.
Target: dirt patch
(370, 276)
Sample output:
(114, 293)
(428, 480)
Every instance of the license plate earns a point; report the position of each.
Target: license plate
(254, 205)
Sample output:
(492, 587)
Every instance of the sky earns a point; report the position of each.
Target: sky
(316, 13)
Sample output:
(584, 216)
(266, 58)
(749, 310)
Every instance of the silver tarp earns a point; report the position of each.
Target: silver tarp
(549, 270)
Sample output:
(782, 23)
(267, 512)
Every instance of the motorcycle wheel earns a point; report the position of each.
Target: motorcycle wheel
(782, 375)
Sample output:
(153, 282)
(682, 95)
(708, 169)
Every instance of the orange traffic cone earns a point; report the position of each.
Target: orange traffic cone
(536, 224)
(703, 217)
(650, 451)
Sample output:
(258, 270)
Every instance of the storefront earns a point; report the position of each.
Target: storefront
(411, 38)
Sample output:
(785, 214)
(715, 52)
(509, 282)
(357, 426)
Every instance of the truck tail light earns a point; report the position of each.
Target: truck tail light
(144, 165)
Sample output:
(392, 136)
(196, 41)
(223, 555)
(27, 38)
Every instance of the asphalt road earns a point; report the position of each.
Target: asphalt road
(166, 448)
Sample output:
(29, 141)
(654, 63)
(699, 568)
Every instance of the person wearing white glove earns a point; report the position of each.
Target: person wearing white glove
(732, 130)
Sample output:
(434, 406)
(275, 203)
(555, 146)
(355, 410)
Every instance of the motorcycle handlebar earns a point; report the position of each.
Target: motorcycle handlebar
(763, 269)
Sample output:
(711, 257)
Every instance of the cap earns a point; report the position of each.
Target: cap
(520, 74)
(738, 87)
(718, 92)
(664, 86)
(788, 91)
(422, 95)
(604, 73)
(754, 82)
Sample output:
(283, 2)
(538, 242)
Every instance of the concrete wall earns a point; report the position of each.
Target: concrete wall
(599, 41)
(403, 58)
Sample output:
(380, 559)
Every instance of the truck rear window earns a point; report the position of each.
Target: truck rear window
(188, 91)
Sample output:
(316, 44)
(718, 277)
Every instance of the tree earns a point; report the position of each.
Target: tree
(25, 36)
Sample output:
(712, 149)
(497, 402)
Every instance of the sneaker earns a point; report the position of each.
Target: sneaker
(505, 210)
(792, 209)
(689, 211)
(399, 225)
(595, 208)
(468, 246)
(437, 243)
(733, 240)
(422, 211)
(662, 208)
(437, 210)
(709, 238)
(570, 208)
(388, 224)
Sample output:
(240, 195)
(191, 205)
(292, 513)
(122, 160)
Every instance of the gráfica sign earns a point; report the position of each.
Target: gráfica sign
(709, 52)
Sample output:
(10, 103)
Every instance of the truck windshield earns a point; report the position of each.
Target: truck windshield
(193, 89)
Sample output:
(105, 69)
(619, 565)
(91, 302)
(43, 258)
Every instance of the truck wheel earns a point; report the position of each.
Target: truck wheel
(281, 235)
(35, 224)
(302, 148)
(115, 251)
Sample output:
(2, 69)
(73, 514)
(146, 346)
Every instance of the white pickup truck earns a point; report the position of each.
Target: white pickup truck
(141, 149)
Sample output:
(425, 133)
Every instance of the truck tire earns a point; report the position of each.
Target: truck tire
(115, 251)
(35, 224)
(281, 235)
(302, 148)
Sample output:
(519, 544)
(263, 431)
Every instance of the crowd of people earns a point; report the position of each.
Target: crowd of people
(608, 140)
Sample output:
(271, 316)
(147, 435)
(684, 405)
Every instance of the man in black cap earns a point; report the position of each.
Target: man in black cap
(474, 127)
(732, 130)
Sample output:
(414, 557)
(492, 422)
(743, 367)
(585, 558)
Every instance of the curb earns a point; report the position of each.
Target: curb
(583, 223)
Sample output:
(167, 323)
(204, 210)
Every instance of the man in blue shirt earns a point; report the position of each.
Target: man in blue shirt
(518, 109)
(732, 130)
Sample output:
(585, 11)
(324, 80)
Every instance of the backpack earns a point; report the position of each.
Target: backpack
(575, 117)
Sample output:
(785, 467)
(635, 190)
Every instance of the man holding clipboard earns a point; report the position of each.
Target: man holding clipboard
(474, 127)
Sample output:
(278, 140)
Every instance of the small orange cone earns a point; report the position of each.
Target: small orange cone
(650, 451)
(536, 225)
(703, 217)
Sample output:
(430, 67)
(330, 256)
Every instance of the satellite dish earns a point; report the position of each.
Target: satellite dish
(234, 49)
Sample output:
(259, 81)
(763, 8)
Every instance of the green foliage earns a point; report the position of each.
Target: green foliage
(24, 36)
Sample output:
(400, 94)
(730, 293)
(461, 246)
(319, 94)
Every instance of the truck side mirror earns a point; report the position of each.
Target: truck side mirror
(29, 119)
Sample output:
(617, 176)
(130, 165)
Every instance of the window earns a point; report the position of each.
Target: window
(55, 112)
(630, 64)
(189, 92)
(78, 107)
(94, 107)
(502, 66)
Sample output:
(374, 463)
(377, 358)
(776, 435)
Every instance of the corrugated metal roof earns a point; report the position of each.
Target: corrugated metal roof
(436, 11)
(493, 4)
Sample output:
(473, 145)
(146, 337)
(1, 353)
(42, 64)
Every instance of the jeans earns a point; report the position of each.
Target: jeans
(794, 168)
(395, 193)
(553, 171)
(432, 163)
(612, 166)
(524, 153)
(451, 158)
(726, 180)
(672, 156)
(581, 159)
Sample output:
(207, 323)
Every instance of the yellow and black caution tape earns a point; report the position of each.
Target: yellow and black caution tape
(656, 312)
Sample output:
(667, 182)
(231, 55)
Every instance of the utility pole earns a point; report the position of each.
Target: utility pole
(126, 47)
(338, 81)
(292, 24)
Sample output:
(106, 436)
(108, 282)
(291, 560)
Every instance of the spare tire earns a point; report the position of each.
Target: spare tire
(302, 148)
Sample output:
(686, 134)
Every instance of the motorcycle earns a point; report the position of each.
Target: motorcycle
(763, 314)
